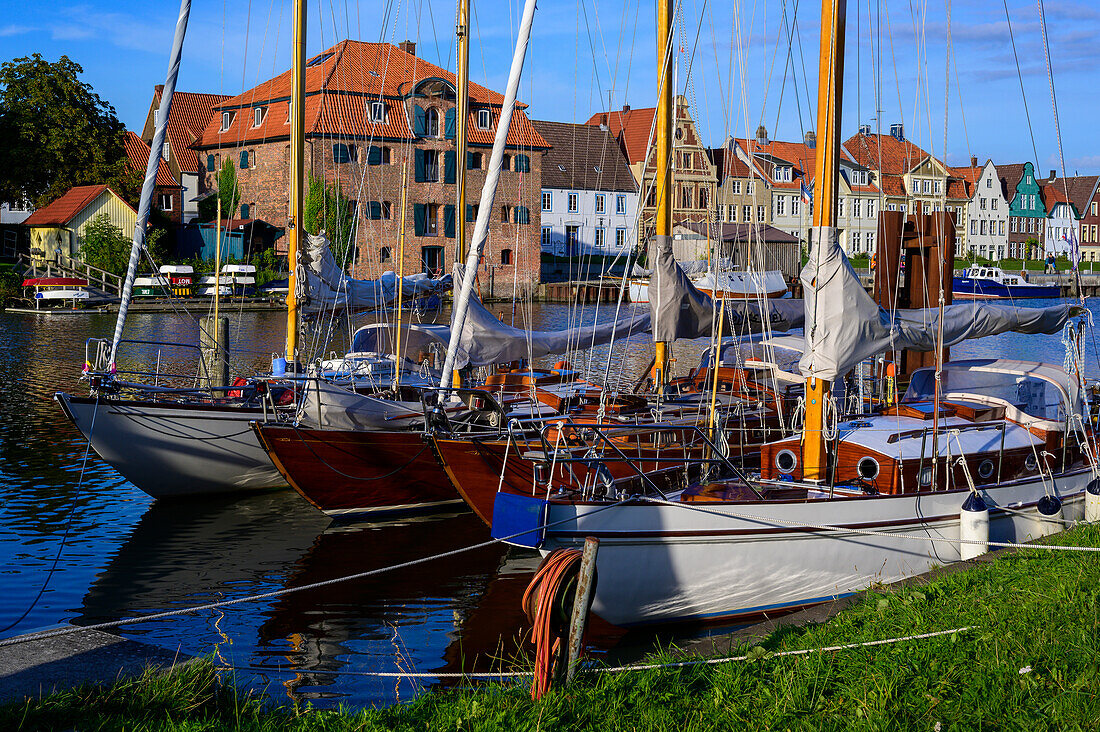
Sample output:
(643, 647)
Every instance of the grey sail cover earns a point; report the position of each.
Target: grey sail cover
(680, 310)
(330, 407)
(844, 325)
(323, 285)
(486, 340)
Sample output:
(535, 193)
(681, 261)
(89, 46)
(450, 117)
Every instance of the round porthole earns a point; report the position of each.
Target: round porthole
(985, 469)
(867, 468)
(925, 477)
(786, 461)
(1031, 463)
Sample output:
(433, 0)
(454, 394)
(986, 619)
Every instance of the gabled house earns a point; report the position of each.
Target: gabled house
(167, 194)
(58, 228)
(589, 200)
(1026, 210)
(366, 105)
(187, 119)
(1067, 201)
(786, 168)
(743, 191)
(987, 215)
(1090, 228)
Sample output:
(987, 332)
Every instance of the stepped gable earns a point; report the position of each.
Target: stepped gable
(339, 82)
(187, 119)
(583, 157)
(138, 153)
(64, 209)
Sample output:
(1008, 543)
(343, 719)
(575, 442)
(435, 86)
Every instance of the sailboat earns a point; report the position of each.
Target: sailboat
(976, 451)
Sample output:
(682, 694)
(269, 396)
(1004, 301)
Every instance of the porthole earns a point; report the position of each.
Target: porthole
(867, 468)
(1030, 463)
(786, 461)
(926, 477)
(985, 469)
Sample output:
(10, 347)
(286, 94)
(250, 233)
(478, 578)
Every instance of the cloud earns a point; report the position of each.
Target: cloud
(15, 30)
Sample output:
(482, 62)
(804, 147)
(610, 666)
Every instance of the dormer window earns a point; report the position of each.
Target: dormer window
(258, 114)
(227, 120)
(377, 112)
(166, 151)
(483, 119)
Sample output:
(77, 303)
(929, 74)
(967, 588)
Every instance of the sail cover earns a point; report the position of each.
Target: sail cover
(680, 310)
(844, 325)
(486, 340)
(322, 284)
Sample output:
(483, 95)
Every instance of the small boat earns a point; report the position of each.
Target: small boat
(181, 277)
(242, 278)
(725, 285)
(152, 286)
(48, 294)
(993, 282)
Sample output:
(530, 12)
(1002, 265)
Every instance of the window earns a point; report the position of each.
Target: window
(857, 208)
(599, 238)
(685, 197)
(504, 214)
(973, 227)
(761, 213)
(377, 112)
(840, 207)
(620, 204)
(387, 209)
(870, 235)
(432, 228)
(916, 186)
(750, 187)
(522, 215)
(431, 166)
(600, 203)
(258, 114)
(731, 213)
(506, 163)
(342, 153)
(165, 202)
(704, 198)
(855, 241)
(780, 206)
(211, 166)
(375, 155)
(547, 199)
(871, 209)
(165, 151)
(244, 159)
(926, 186)
(572, 235)
(735, 187)
(522, 164)
(981, 204)
(505, 256)
(384, 254)
(246, 210)
(483, 120)
(783, 174)
(746, 214)
(227, 120)
(796, 206)
(982, 227)
(573, 203)
(620, 239)
(937, 186)
(546, 239)
(431, 122)
(1093, 207)
(993, 204)
(1000, 228)
(473, 161)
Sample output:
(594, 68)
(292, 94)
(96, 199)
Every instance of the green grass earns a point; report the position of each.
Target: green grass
(1034, 610)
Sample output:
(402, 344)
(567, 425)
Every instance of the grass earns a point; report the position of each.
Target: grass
(1031, 663)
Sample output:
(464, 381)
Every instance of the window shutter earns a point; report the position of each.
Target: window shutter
(470, 215)
(421, 174)
(374, 209)
(449, 166)
(449, 124)
(374, 155)
(522, 215)
(244, 211)
(449, 221)
(210, 165)
(420, 218)
(523, 164)
(469, 161)
(244, 159)
(420, 124)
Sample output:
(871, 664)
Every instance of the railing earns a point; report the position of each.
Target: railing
(106, 281)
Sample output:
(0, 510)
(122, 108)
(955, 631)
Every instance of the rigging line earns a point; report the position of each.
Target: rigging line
(1020, 76)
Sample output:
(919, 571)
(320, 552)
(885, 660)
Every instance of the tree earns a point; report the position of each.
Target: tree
(56, 132)
(327, 209)
(105, 246)
(227, 189)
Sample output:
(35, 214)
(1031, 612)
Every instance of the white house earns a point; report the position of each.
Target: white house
(589, 196)
(987, 216)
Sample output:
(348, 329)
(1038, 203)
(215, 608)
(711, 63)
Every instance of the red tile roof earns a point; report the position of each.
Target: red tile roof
(339, 82)
(64, 209)
(727, 164)
(631, 127)
(801, 156)
(138, 153)
(898, 156)
(187, 119)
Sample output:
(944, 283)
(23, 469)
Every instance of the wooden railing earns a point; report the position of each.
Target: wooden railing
(104, 280)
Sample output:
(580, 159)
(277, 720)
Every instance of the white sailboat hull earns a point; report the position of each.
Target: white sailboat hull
(667, 564)
(170, 450)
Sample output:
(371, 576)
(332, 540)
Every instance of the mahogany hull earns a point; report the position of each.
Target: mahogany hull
(345, 473)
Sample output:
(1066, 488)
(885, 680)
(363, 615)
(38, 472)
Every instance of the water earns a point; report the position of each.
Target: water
(125, 555)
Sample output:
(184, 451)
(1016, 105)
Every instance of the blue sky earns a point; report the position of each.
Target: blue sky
(742, 62)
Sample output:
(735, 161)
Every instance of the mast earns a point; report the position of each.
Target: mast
(830, 80)
(155, 151)
(462, 114)
(666, 111)
(488, 193)
(295, 221)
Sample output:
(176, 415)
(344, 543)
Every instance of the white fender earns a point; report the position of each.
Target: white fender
(974, 526)
(1092, 501)
(1048, 519)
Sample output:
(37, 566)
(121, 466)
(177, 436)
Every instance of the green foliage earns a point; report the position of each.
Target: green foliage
(1028, 661)
(208, 209)
(328, 209)
(55, 131)
(105, 246)
(228, 192)
(11, 285)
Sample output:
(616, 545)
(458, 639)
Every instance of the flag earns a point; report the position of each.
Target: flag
(807, 196)
(1074, 249)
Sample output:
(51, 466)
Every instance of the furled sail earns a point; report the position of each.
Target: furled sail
(844, 325)
(324, 286)
(680, 310)
(486, 340)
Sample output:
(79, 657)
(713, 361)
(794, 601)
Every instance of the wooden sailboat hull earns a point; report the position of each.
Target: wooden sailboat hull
(668, 563)
(174, 450)
(346, 473)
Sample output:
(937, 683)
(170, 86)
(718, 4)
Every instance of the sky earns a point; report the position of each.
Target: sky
(741, 63)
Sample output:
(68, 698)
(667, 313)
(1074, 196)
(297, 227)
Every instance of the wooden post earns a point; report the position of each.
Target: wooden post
(214, 344)
(586, 582)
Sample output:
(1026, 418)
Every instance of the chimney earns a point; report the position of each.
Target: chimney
(810, 138)
(626, 107)
(865, 129)
(897, 131)
(159, 88)
(408, 47)
(762, 135)
(973, 161)
(1053, 174)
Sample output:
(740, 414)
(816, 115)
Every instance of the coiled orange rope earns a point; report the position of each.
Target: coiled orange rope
(549, 582)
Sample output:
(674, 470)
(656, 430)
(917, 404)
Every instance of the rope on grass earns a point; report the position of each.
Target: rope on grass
(606, 669)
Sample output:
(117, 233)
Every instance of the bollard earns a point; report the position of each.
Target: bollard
(582, 602)
(214, 344)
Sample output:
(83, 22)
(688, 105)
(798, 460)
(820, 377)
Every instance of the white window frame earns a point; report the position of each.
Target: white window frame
(620, 238)
(601, 203)
(574, 202)
(620, 204)
(160, 200)
(484, 119)
(547, 200)
(599, 237)
(227, 121)
(258, 114)
(378, 112)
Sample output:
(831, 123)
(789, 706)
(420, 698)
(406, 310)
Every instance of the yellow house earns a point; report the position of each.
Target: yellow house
(58, 228)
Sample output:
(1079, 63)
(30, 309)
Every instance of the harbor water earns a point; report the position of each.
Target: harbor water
(80, 545)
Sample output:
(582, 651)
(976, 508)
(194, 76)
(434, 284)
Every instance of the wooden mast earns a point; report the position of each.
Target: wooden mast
(830, 79)
(297, 175)
(666, 116)
(462, 114)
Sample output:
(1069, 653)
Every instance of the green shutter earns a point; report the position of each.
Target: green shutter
(469, 161)
(421, 174)
(420, 124)
(420, 218)
(522, 215)
(449, 166)
(374, 210)
(244, 159)
(449, 221)
(523, 164)
(470, 216)
(374, 155)
(449, 124)
(210, 166)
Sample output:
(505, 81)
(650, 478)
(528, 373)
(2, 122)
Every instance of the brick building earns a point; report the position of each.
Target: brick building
(166, 193)
(374, 110)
